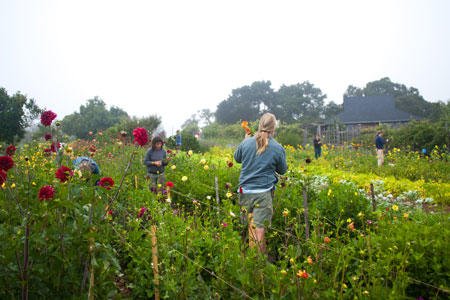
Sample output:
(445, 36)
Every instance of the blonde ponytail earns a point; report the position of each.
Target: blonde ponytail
(265, 129)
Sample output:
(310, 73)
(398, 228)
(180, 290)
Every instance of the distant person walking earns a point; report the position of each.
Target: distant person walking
(178, 140)
(317, 146)
(156, 160)
(262, 158)
(379, 144)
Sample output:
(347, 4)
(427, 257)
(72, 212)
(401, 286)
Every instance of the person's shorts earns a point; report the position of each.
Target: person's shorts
(260, 205)
(156, 179)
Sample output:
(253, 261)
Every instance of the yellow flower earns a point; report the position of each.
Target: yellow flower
(366, 293)
(349, 220)
(190, 152)
(3, 185)
(184, 178)
(344, 286)
(360, 214)
(329, 192)
(33, 183)
(206, 167)
(395, 207)
(292, 261)
(13, 185)
(309, 260)
(285, 212)
(406, 215)
(228, 194)
(203, 161)
(159, 185)
(356, 193)
(173, 167)
(283, 272)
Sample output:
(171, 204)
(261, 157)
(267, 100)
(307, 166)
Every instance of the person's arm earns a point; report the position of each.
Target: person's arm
(147, 161)
(282, 164)
(238, 154)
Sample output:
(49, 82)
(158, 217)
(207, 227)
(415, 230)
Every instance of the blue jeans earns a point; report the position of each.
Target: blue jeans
(317, 152)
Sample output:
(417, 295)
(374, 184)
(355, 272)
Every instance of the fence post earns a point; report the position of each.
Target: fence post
(155, 262)
(305, 212)
(374, 203)
(216, 185)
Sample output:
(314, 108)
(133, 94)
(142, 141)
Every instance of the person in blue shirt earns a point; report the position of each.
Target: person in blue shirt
(84, 163)
(178, 140)
(379, 144)
(262, 158)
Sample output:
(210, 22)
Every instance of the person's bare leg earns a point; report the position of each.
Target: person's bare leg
(260, 240)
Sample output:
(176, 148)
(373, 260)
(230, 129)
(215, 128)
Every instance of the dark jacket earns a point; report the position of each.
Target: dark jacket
(379, 142)
(155, 155)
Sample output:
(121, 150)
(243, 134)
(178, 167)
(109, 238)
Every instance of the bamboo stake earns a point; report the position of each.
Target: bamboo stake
(155, 262)
(374, 203)
(305, 212)
(251, 231)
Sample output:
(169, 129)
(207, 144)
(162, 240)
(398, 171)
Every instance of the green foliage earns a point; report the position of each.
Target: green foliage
(16, 113)
(289, 134)
(397, 251)
(93, 117)
(127, 125)
(418, 135)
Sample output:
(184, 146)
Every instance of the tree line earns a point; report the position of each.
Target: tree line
(297, 103)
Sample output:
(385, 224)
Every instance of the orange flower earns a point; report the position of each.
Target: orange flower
(309, 260)
(351, 226)
(302, 274)
(326, 240)
(247, 129)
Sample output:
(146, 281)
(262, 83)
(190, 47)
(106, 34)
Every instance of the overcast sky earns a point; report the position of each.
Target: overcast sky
(172, 58)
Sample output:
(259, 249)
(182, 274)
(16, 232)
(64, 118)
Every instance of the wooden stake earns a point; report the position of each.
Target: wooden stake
(251, 231)
(374, 203)
(155, 262)
(305, 212)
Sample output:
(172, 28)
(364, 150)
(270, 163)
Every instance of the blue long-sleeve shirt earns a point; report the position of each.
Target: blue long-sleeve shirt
(379, 142)
(259, 171)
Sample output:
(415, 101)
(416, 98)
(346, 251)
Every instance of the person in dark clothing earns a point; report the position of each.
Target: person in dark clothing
(178, 140)
(156, 160)
(317, 146)
(379, 144)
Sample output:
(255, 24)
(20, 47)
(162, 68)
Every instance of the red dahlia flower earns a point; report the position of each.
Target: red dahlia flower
(142, 212)
(47, 192)
(140, 136)
(106, 182)
(47, 117)
(63, 173)
(55, 146)
(6, 163)
(10, 150)
(169, 184)
(3, 176)
(48, 136)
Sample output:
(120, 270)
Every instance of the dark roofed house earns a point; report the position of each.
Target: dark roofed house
(373, 110)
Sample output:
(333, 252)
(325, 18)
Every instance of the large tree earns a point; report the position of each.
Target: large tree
(245, 103)
(301, 101)
(92, 117)
(16, 114)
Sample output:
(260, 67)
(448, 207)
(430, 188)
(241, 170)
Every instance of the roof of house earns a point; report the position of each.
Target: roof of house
(372, 109)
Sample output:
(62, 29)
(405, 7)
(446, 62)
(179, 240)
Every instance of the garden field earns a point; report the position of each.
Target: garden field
(342, 227)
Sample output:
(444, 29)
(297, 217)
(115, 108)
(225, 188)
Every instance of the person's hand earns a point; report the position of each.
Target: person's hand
(157, 163)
